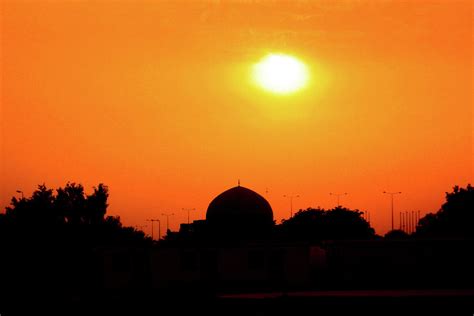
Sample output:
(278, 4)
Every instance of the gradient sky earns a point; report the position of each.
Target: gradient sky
(154, 99)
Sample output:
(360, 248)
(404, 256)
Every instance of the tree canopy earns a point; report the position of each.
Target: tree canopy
(319, 224)
(66, 214)
(396, 234)
(455, 219)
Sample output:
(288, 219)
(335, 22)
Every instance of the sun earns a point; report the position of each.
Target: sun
(280, 73)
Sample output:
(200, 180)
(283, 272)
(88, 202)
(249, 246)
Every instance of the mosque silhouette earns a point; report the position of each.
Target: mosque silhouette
(231, 248)
(236, 249)
(236, 214)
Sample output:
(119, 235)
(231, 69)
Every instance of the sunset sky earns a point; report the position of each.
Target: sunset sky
(155, 99)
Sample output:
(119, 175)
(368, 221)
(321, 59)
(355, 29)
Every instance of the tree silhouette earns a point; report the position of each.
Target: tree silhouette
(455, 219)
(39, 209)
(97, 204)
(71, 203)
(396, 234)
(67, 216)
(55, 238)
(319, 224)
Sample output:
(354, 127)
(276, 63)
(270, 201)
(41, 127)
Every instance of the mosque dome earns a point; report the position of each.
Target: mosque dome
(242, 209)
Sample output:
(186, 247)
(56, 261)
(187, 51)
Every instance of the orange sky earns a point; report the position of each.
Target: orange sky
(154, 99)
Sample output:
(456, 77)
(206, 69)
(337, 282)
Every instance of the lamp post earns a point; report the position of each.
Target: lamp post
(167, 220)
(22, 196)
(391, 195)
(407, 223)
(338, 195)
(159, 227)
(417, 220)
(188, 209)
(410, 222)
(291, 202)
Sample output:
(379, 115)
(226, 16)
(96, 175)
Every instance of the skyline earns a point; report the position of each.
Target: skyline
(192, 214)
(155, 100)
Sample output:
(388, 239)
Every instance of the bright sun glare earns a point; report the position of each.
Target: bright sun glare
(280, 73)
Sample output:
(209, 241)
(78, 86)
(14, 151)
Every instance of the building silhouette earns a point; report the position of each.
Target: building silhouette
(235, 215)
(233, 248)
(236, 249)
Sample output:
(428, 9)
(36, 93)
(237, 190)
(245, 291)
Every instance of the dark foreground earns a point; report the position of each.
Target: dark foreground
(365, 302)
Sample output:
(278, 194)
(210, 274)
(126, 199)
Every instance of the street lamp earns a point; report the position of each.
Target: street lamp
(391, 194)
(159, 227)
(167, 220)
(188, 209)
(291, 202)
(22, 196)
(338, 195)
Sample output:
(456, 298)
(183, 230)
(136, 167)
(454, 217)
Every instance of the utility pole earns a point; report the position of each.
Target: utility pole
(417, 218)
(405, 226)
(167, 220)
(407, 222)
(410, 222)
(402, 223)
(291, 202)
(159, 227)
(392, 194)
(193, 209)
(338, 195)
